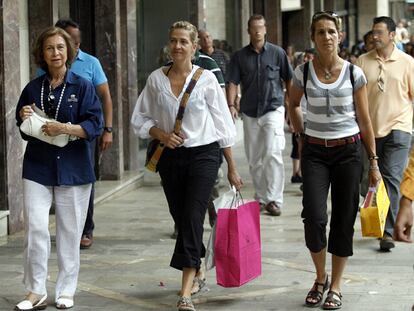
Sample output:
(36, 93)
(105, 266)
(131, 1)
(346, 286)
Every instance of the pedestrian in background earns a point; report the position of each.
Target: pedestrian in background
(369, 43)
(337, 117)
(189, 164)
(304, 57)
(390, 75)
(50, 173)
(207, 47)
(261, 68)
(404, 221)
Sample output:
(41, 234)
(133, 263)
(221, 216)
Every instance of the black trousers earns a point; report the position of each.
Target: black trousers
(339, 168)
(188, 176)
(295, 148)
(89, 223)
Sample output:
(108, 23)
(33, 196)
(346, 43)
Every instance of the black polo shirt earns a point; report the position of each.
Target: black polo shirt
(261, 76)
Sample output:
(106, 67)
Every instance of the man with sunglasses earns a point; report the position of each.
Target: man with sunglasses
(89, 67)
(390, 75)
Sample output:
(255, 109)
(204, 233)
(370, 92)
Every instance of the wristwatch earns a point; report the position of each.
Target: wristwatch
(108, 129)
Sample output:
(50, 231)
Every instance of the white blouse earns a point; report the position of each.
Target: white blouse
(207, 118)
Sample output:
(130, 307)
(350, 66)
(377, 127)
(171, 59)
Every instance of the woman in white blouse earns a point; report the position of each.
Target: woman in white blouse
(188, 166)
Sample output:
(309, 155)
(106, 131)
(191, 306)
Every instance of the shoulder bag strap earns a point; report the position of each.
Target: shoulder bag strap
(184, 100)
(154, 158)
(351, 77)
(305, 78)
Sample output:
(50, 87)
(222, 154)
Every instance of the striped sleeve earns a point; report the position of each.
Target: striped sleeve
(210, 64)
(359, 78)
(298, 77)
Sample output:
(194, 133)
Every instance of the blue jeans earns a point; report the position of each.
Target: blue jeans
(393, 156)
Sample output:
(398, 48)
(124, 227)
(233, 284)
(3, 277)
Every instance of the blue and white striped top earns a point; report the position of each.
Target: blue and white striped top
(330, 109)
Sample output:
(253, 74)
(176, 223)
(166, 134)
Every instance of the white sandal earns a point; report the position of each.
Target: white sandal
(64, 302)
(27, 305)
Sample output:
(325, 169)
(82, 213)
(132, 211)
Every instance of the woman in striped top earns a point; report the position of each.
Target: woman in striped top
(337, 119)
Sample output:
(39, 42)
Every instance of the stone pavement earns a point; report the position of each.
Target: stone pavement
(127, 267)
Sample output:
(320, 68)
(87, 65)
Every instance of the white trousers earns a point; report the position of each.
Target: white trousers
(264, 141)
(71, 206)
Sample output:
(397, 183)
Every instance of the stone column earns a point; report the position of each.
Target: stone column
(41, 16)
(216, 14)
(130, 80)
(308, 11)
(273, 15)
(271, 10)
(108, 51)
(196, 13)
(10, 142)
(368, 11)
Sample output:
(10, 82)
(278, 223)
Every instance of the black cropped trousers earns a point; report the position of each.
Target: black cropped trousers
(338, 168)
(188, 176)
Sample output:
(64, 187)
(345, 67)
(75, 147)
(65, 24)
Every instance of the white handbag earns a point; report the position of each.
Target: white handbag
(32, 126)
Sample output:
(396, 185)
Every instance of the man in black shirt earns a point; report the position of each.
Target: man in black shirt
(262, 69)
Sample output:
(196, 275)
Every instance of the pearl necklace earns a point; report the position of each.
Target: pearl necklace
(50, 94)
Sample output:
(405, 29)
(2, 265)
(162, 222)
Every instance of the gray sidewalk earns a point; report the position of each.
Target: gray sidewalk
(127, 267)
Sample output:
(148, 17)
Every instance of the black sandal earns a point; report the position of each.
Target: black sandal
(333, 301)
(316, 294)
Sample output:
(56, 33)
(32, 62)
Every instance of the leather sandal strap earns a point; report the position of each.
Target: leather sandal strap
(333, 298)
(314, 294)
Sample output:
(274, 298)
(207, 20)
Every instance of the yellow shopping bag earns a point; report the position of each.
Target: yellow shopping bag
(374, 211)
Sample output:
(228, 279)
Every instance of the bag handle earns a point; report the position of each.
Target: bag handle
(237, 199)
(184, 100)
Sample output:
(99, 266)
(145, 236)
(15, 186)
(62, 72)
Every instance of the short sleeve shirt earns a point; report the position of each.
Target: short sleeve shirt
(330, 108)
(391, 109)
(88, 67)
(261, 76)
(221, 58)
(206, 62)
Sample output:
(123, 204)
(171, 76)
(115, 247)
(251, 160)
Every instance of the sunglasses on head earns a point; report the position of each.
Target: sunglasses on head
(380, 80)
(324, 13)
(50, 109)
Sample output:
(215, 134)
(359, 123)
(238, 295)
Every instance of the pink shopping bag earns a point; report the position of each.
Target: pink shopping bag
(237, 248)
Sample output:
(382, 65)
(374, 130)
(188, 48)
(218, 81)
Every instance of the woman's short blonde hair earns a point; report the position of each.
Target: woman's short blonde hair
(47, 33)
(186, 26)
